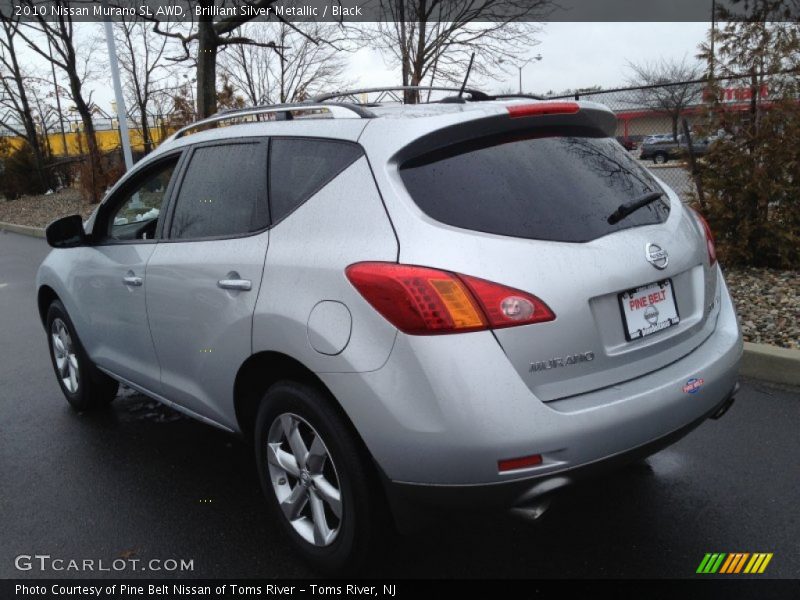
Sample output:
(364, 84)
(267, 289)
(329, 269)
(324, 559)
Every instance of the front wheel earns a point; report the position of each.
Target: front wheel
(84, 386)
(660, 158)
(317, 477)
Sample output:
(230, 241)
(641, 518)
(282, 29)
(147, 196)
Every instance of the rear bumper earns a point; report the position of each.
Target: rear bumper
(522, 492)
(444, 409)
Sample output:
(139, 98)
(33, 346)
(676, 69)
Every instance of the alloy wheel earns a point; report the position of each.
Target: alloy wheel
(304, 479)
(65, 356)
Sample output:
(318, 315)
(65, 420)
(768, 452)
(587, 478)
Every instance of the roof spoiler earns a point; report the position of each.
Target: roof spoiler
(518, 117)
(560, 113)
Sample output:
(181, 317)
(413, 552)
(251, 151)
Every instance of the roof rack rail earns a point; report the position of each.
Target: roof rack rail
(283, 112)
(511, 96)
(475, 95)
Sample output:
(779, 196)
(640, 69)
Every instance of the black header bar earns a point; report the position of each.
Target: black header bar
(357, 11)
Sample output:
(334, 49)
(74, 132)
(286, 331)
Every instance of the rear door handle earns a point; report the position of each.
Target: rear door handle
(243, 285)
(132, 280)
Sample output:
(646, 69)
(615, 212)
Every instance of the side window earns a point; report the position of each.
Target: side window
(223, 192)
(137, 212)
(299, 168)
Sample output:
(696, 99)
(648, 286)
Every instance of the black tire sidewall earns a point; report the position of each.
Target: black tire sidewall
(349, 550)
(89, 394)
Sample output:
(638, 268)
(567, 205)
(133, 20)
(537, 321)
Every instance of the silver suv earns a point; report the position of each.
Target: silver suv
(476, 301)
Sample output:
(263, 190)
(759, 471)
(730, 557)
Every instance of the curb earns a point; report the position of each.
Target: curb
(22, 229)
(771, 363)
(759, 361)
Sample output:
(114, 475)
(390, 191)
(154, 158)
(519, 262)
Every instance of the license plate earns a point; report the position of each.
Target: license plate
(648, 309)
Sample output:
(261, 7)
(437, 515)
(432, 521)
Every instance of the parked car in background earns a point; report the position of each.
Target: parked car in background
(628, 143)
(659, 137)
(661, 151)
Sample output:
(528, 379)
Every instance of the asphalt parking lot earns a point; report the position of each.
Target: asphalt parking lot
(139, 481)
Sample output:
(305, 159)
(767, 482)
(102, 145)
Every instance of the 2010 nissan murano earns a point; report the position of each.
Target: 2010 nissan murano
(473, 301)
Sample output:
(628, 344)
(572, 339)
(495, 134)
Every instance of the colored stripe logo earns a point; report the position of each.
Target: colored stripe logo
(734, 563)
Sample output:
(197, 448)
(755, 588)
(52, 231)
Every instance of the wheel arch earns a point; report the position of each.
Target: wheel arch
(45, 296)
(263, 369)
(258, 373)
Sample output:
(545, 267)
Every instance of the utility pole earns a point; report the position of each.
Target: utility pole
(523, 65)
(122, 118)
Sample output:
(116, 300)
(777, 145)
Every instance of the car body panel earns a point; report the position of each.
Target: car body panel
(110, 316)
(201, 332)
(343, 223)
(460, 406)
(578, 281)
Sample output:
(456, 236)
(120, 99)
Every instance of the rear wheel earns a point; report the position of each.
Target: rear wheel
(84, 385)
(660, 158)
(319, 482)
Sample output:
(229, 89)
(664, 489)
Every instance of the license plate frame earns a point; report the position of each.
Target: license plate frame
(645, 295)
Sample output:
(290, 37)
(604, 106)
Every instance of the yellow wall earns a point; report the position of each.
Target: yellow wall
(107, 140)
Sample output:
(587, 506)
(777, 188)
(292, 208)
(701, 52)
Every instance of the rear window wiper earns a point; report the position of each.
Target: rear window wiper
(631, 207)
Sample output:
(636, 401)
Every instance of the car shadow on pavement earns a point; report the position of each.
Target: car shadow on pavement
(575, 537)
(195, 491)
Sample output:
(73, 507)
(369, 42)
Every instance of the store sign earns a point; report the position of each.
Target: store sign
(737, 94)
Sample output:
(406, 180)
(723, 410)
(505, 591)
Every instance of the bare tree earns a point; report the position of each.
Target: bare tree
(163, 105)
(142, 60)
(436, 38)
(178, 104)
(673, 86)
(310, 60)
(250, 70)
(15, 107)
(59, 47)
(211, 34)
(43, 109)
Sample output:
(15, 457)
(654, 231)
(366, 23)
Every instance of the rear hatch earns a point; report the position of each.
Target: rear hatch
(530, 208)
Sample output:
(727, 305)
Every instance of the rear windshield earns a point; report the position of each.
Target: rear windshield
(548, 187)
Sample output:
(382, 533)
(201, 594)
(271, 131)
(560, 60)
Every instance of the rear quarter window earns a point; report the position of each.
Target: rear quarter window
(300, 167)
(557, 187)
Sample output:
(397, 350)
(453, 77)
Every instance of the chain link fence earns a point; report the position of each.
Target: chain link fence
(653, 122)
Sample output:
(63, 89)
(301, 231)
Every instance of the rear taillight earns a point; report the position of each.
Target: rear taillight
(425, 301)
(505, 306)
(516, 111)
(712, 251)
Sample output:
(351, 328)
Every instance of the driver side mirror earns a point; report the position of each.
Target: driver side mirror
(66, 232)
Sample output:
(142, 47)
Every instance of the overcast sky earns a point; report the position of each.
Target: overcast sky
(574, 55)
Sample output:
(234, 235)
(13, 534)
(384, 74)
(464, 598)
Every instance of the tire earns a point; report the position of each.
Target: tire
(84, 386)
(660, 158)
(333, 543)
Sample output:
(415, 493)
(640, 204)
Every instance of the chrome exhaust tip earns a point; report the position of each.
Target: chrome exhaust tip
(531, 512)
